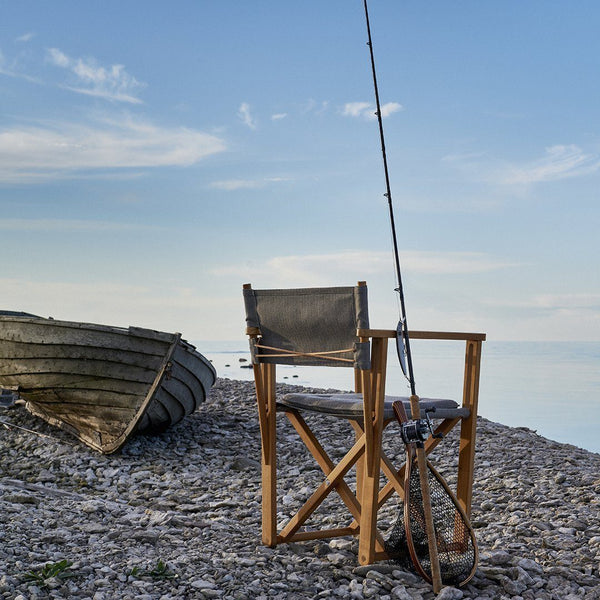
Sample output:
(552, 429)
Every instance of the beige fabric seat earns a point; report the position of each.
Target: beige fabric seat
(329, 327)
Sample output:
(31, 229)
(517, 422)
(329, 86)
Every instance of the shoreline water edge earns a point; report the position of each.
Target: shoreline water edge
(550, 387)
(177, 516)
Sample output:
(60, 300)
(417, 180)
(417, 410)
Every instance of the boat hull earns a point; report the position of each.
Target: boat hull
(101, 383)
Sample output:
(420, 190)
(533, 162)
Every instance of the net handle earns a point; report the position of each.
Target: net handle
(436, 577)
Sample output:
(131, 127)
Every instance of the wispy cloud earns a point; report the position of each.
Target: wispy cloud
(561, 302)
(312, 106)
(390, 108)
(69, 226)
(452, 263)
(152, 305)
(231, 185)
(111, 83)
(356, 109)
(56, 150)
(367, 110)
(317, 269)
(559, 162)
(567, 316)
(26, 37)
(10, 69)
(278, 116)
(246, 116)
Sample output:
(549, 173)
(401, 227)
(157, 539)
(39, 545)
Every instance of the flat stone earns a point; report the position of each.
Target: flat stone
(178, 515)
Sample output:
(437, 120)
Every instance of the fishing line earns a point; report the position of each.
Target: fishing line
(402, 336)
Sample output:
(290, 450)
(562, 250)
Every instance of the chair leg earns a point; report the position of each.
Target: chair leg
(373, 387)
(468, 429)
(360, 465)
(369, 504)
(358, 432)
(267, 414)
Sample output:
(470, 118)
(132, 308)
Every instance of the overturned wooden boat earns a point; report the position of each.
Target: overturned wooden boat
(101, 383)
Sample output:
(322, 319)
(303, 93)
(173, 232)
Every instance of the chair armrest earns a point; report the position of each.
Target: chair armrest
(446, 335)
(470, 399)
(422, 335)
(376, 333)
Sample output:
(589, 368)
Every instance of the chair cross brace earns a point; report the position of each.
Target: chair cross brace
(289, 353)
(334, 480)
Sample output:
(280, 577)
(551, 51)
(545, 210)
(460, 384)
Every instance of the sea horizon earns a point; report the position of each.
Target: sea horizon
(552, 388)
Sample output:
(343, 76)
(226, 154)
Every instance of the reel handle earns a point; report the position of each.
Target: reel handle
(438, 436)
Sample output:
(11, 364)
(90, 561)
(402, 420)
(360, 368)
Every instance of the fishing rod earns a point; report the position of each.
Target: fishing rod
(430, 509)
(402, 336)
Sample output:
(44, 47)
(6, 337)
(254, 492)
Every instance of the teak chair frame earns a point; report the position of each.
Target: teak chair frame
(366, 453)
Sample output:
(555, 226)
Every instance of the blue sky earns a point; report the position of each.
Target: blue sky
(155, 156)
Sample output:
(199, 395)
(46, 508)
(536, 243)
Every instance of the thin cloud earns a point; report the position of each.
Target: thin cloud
(58, 150)
(317, 268)
(245, 115)
(356, 109)
(278, 116)
(561, 302)
(574, 316)
(58, 58)
(231, 185)
(151, 305)
(69, 226)
(389, 108)
(452, 263)
(559, 162)
(26, 37)
(10, 70)
(314, 107)
(111, 83)
(367, 110)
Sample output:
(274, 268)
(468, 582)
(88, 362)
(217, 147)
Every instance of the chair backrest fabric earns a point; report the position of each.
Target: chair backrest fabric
(309, 320)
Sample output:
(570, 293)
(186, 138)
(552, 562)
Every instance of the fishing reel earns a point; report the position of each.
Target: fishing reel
(418, 430)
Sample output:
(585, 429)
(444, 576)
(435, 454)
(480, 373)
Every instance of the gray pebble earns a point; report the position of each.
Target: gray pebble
(178, 515)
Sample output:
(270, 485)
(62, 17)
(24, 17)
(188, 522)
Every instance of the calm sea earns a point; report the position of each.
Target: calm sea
(550, 387)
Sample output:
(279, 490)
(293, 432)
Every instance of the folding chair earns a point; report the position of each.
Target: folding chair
(330, 327)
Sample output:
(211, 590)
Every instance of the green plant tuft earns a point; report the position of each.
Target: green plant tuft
(42, 575)
(159, 571)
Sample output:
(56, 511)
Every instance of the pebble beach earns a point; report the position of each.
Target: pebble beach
(177, 516)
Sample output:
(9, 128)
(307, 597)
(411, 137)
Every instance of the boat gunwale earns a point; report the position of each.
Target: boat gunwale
(142, 332)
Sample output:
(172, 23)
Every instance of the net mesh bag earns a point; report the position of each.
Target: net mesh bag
(455, 541)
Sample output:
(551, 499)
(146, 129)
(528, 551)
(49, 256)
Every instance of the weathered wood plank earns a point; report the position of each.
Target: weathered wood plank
(22, 351)
(29, 383)
(92, 398)
(43, 331)
(102, 383)
(96, 369)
